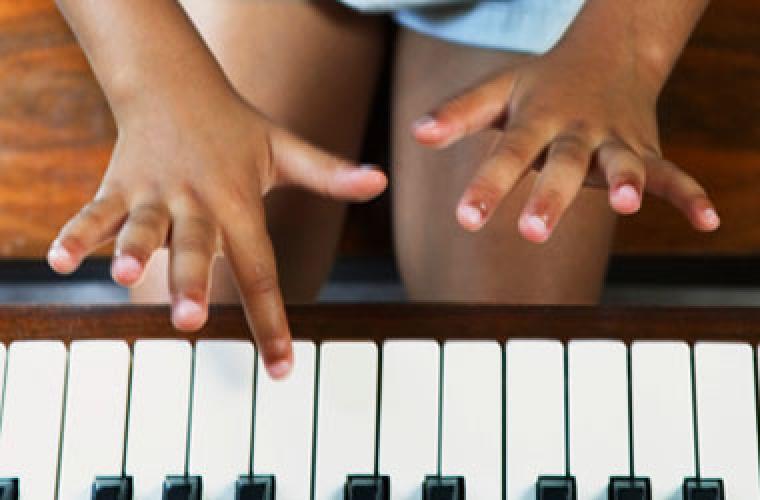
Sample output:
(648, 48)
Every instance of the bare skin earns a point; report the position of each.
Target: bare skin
(203, 139)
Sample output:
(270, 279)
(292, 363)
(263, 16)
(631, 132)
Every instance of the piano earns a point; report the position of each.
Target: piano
(402, 402)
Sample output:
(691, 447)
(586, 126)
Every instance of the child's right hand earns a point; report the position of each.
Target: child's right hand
(193, 178)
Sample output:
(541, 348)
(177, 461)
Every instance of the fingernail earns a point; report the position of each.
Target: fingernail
(627, 192)
(711, 217)
(60, 258)
(188, 313)
(471, 216)
(279, 369)
(370, 166)
(126, 268)
(535, 227)
(363, 172)
(425, 124)
(627, 198)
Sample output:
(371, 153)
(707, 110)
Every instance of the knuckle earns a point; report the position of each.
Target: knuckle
(140, 251)
(487, 190)
(236, 199)
(552, 197)
(579, 127)
(513, 154)
(194, 244)
(261, 281)
(569, 152)
(149, 215)
(92, 214)
(74, 243)
(192, 287)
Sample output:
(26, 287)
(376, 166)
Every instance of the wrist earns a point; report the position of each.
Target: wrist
(133, 95)
(620, 57)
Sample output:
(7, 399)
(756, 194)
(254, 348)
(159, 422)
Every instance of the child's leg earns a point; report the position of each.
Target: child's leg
(441, 261)
(311, 66)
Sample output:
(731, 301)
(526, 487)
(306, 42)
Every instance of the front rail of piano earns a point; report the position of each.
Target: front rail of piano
(380, 322)
(656, 409)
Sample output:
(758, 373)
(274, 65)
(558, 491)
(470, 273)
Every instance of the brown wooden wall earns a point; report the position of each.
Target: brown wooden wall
(56, 133)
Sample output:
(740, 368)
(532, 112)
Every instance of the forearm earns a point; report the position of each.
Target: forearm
(650, 34)
(143, 49)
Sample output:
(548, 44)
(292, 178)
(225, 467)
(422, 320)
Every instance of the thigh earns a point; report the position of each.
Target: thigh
(437, 258)
(312, 67)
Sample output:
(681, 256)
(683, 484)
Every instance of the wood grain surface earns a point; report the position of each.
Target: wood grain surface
(56, 133)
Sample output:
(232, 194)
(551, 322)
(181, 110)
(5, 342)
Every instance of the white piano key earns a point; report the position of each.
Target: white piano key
(346, 430)
(535, 415)
(284, 419)
(726, 412)
(472, 416)
(221, 426)
(409, 417)
(158, 415)
(3, 360)
(95, 414)
(663, 438)
(598, 415)
(32, 417)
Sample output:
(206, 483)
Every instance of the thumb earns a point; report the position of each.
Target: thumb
(298, 163)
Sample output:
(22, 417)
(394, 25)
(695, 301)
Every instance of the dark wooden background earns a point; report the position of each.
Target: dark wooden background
(56, 133)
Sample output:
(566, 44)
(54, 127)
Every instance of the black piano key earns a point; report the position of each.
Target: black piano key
(627, 488)
(182, 488)
(255, 488)
(443, 488)
(703, 489)
(556, 488)
(112, 488)
(9, 488)
(367, 487)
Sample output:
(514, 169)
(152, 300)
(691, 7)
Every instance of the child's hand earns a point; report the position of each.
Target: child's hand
(193, 178)
(581, 120)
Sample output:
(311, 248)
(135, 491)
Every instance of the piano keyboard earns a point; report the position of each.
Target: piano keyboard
(400, 415)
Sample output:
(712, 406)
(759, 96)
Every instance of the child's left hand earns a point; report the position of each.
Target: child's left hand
(581, 119)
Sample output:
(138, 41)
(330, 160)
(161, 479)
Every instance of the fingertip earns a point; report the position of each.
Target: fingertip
(430, 131)
(470, 216)
(534, 228)
(126, 269)
(625, 199)
(61, 260)
(709, 219)
(280, 369)
(361, 184)
(374, 178)
(188, 315)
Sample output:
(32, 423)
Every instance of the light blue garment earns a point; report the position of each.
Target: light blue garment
(532, 26)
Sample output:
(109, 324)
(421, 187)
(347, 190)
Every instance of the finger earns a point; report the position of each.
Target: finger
(191, 250)
(143, 233)
(498, 174)
(249, 250)
(299, 163)
(666, 180)
(625, 173)
(558, 184)
(94, 225)
(472, 111)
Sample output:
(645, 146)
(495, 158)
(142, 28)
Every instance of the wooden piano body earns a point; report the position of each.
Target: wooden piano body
(390, 401)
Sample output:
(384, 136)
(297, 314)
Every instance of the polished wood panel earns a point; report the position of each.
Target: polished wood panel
(56, 130)
(380, 322)
(56, 133)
